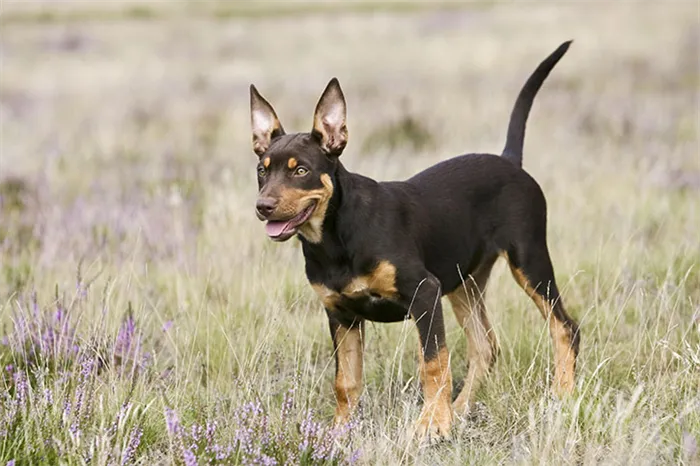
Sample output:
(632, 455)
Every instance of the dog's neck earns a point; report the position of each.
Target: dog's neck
(352, 195)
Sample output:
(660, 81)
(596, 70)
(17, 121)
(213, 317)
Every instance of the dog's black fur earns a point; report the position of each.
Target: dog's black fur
(387, 251)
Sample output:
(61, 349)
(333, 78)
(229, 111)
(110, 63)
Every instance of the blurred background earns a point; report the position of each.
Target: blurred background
(126, 122)
(127, 191)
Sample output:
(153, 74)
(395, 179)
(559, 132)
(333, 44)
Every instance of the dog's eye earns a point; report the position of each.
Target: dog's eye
(301, 171)
(261, 171)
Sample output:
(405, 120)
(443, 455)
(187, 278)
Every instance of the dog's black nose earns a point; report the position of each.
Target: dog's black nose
(265, 206)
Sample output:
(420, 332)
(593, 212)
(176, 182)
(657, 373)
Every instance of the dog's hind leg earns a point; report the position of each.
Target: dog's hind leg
(469, 308)
(532, 269)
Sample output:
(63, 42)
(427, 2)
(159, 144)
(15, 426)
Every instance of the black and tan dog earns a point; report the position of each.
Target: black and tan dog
(388, 251)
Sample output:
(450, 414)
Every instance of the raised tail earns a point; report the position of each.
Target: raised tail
(513, 150)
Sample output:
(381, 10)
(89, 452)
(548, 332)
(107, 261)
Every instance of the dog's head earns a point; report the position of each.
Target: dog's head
(296, 171)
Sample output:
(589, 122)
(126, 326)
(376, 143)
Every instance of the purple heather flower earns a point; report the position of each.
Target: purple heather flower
(197, 432)
(125, 407)
(189, 458)
(171, 421)
(310, 431)
(210, 431)
(287, 404)
(21, 387)
(265, 460)
(355, 457)
(134, 441)
(11, 463)
(48, 396)
(35, 304)
(125, 337)
(167, 325)
(67, 408)
(80, 393)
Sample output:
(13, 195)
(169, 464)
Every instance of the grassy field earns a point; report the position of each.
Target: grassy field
(145, 318)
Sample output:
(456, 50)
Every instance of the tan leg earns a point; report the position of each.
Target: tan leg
(470, 310)
(562, 330)
(348, 375)
(435, 419)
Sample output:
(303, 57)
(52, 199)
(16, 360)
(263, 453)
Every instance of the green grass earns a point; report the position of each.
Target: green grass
(128, 180)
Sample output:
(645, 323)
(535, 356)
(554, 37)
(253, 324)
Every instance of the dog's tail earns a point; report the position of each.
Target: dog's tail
(513, 150)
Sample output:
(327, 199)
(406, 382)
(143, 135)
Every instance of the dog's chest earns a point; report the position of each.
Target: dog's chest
(369, 295)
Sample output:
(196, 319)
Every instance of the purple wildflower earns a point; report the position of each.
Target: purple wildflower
(134, 441)
(125, 408)
(210, 431)
(355, 457)
(21, 387)
(265, 460)
(67, 408)
(309, 430)
(84, 379)
(287, 404)
(196, 432)
(222, 454)
(48, 396)
(189, 458)
(172, 422)
(167, 325)
(46, 335)
(125, 337)
(35, 304)
(11, 463)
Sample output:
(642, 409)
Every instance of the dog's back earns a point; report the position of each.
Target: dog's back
(471, 208)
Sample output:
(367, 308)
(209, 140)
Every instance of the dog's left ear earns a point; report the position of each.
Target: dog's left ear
(329, 120)
(263, 121)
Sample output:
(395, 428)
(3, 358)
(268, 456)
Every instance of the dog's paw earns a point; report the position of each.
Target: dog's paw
(563, 386)
(341, 419)
(345, 417)
(462, 406)
(434, 425)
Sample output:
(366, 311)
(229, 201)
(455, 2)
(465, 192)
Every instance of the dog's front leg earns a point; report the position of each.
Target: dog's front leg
(435, 420)
(348, 337)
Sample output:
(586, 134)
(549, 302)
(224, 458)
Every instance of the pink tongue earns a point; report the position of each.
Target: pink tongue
(275, 229)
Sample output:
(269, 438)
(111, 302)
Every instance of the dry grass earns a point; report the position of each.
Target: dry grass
(125, 156)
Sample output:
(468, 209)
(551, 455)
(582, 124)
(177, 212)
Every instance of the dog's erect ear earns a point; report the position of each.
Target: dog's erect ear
(329, 119)
(264, 122)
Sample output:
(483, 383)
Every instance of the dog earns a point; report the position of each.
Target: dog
(388, 251)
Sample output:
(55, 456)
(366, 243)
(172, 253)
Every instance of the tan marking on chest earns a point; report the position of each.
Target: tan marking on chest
(381, 281)
(328, 297)
(292, 163)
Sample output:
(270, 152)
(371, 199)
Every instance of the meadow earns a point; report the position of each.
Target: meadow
(145, 317)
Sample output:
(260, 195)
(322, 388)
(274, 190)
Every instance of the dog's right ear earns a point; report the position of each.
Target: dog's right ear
(263, 121)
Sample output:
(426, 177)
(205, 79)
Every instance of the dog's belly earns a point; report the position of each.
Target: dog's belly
(372, 308)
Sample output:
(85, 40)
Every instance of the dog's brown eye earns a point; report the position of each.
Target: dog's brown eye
(261, 171)
(301, 171)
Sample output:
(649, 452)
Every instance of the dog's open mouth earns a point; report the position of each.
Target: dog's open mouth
(282, 230)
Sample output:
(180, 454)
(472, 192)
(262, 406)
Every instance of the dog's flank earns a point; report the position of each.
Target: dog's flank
(388, 251)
